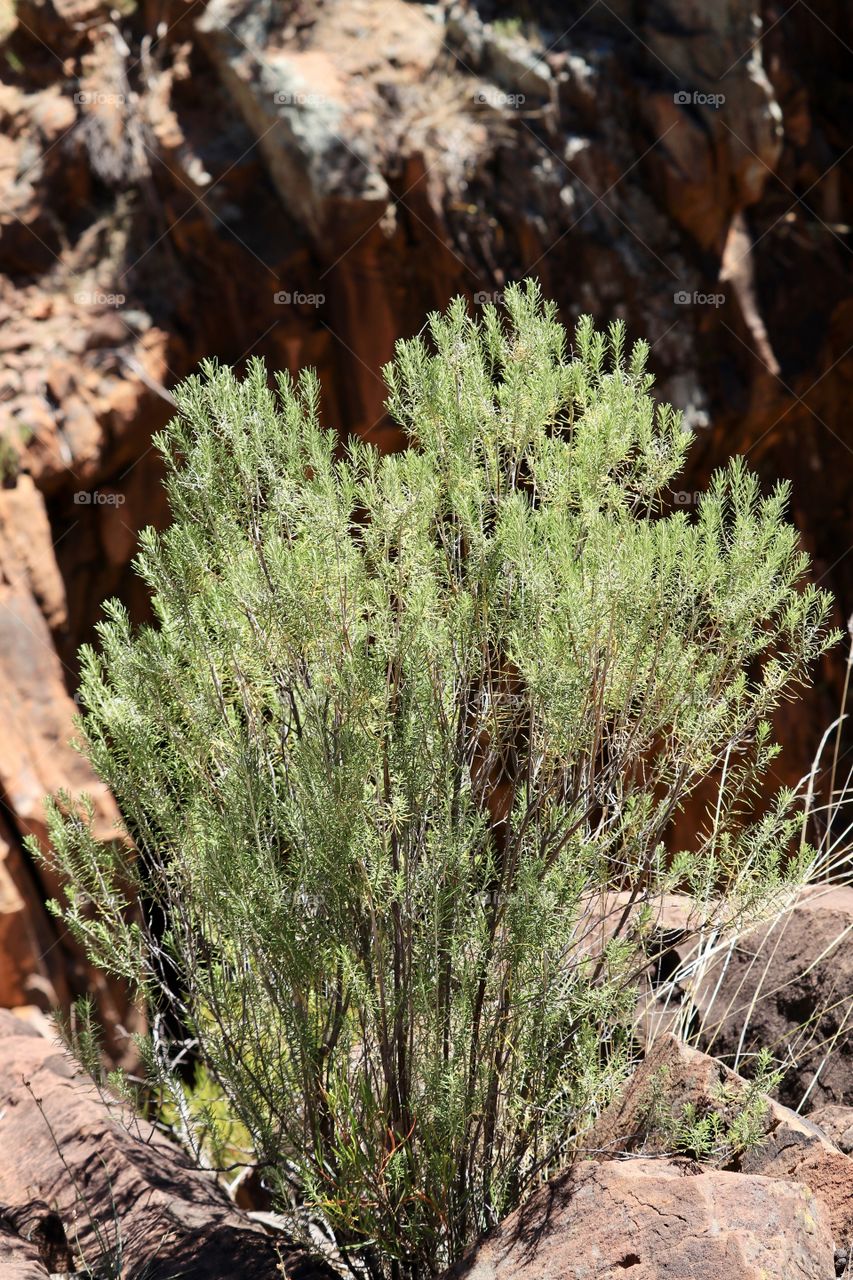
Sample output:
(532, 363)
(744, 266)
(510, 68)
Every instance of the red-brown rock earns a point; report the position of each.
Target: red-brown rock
(26, 973)
(658, 1220)
(674, 1077)
(114, 1181)
(20, 1259)
(788, 986)
(837, 1123)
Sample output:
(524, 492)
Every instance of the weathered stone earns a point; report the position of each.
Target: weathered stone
(837, 1123)
(25, 934)
(19, 1258)
(674, 1078)
(657, 1219)
(788, 986)
(302, 94)
(115, 1181)
(37, 965)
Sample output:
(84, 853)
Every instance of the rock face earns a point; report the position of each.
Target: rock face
(36, 757)
(19, 1258)
(675, 1081)
(788, 987)
(305, 181)
(118, 1193)
(785, 986)
(656, 1219)
(837, 1123)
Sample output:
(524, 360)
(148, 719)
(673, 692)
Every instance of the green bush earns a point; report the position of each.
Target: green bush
(405, 728)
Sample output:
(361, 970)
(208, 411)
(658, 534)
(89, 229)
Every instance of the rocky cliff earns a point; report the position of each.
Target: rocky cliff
(305, 179)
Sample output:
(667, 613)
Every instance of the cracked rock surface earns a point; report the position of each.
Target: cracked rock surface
(649, 1219)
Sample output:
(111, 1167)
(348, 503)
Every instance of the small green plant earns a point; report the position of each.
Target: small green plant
(509, 27)
(217, 1139)
(698, 1134)
(10, 463)
(734, 1119)
(405, 731)
(82, 1036)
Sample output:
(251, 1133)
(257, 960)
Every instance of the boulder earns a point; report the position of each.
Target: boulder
(33, 1240)
(837, 1123)
(301, 111)
(116, 1186)
(655, 1219)
(25, 933)
(785, 985)
(676, 1082)
(672, 1078)
(19, 1258)
(788, 986)
(37, 965)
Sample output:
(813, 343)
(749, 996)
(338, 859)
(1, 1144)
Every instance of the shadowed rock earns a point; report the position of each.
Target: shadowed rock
(654, 1219)
(645, 1120)
(125, 1193)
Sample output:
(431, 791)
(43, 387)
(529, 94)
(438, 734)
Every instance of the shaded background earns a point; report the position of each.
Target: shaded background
(305, 180)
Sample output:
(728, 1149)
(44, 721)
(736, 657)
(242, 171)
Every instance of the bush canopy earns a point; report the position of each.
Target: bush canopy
(398, 761)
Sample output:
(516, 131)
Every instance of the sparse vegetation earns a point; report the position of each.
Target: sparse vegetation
(10, 463)
(733, 1122)
(511, 27)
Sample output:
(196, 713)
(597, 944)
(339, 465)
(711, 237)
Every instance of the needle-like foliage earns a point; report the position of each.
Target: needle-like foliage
(398, 762)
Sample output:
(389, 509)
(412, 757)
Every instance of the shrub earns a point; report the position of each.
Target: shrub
(407, 728)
